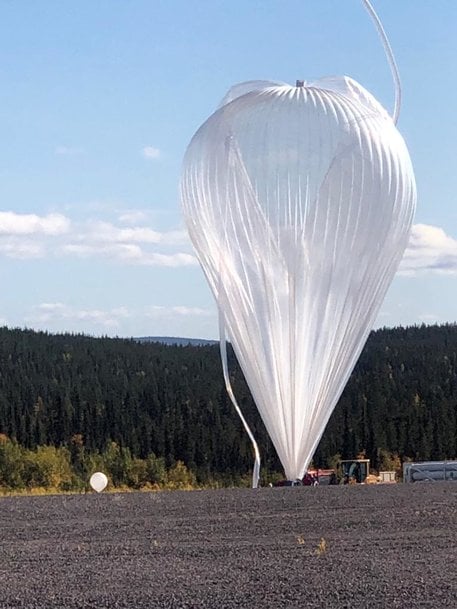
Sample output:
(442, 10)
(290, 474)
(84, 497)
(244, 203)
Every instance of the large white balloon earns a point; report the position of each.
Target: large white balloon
(98, 481)
(299, 202)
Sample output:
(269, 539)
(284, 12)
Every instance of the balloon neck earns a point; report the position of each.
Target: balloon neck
(293, 483)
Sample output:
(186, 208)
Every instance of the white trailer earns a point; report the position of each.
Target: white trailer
(430, 471)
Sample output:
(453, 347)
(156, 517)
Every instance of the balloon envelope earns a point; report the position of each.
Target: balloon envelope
(299, 202)
(98, 481)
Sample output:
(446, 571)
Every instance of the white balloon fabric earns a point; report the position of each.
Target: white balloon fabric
(98, 481)
(299, 202)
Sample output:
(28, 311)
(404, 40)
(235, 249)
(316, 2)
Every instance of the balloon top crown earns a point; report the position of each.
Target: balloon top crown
(331, 90)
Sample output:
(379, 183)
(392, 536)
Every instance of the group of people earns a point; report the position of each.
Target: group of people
(311, 479)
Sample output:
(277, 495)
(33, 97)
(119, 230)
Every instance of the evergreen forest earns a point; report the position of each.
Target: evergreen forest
(158, 415)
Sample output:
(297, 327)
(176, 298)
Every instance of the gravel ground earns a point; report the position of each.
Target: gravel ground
(371, 547)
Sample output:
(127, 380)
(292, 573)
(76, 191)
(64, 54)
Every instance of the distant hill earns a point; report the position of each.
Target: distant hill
(176, 340)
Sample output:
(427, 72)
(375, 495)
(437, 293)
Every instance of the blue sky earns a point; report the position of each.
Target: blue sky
(99, 101)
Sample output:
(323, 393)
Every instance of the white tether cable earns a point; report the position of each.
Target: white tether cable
(228, 386)
(390, 58)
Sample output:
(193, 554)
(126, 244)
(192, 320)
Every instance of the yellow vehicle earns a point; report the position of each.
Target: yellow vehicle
(355, 471)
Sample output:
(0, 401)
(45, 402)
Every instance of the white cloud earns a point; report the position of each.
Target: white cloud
(430, 249)
(129, 253)
(170, 260)
(150, 152)
(176, 237)
(191, 311)
(12, 223)
(107, 232)
(21, 248)
(182, 311)
(50, 312)
(132, 216)
(119, 251)
(139, 245)
(25, 236)
(68, 151)
(179, 320)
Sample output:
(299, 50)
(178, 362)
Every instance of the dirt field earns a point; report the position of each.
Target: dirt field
(326, 547)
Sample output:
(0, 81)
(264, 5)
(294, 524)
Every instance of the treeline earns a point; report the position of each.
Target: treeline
(145, 397)
(69, 468)
(169, 403)
(401, 398)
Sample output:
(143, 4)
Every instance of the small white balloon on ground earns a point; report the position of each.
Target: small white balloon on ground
(98, 481)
